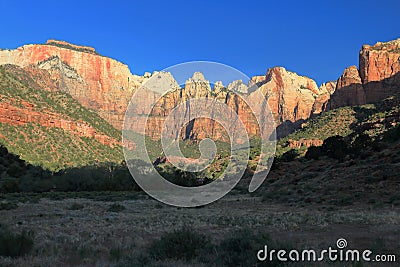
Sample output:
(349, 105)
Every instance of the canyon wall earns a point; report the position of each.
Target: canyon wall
(377, 77)
(106, 86)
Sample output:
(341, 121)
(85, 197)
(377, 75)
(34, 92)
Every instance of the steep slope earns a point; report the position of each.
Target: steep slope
(357, 164)
(349, 122)
(59, 130)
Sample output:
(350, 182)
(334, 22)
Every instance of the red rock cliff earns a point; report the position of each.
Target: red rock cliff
(97, 82)
(377, 78)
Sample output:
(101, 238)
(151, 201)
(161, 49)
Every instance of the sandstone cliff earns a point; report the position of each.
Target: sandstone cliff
(379, 70)
(99, 83)
(349, 90)
(377, 78)
(291, 97)
(322, 100)
(106, 86)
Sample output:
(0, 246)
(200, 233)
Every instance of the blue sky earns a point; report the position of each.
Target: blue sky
(313, 38)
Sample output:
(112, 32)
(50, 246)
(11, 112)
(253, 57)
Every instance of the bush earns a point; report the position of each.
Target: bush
(314, 152)
(116, 208)
(361, 142)
(180, 244)
(9, 185)
(335, 147)
(289, 155)
(15, 245)
(392, 135)
(76, 206)
(4, 205)
(240, 249)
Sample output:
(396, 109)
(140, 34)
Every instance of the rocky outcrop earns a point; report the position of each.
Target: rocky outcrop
(377, 78)
(304, 143)
(322, 100)
(99, 83)
(380, 61)
(379, 70)
(349, 90)
(290, 96)
(238, 86)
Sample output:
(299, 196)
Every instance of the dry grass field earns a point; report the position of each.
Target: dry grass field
(89, 232)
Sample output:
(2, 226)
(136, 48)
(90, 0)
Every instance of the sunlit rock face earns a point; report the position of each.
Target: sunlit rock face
(376, 79)
(97, 82)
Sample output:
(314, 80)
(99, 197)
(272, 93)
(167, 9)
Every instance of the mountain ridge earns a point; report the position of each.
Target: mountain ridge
(105, 86)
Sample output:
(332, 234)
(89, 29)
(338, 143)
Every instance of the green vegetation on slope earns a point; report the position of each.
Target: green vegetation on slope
(49, 147)
(17, 176)
(79, 49)
(54, 148)
(349, 122)
(16, 85)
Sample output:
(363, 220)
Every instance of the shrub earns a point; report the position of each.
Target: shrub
(240, 249)
(180, 244)
(9, 185)
(335, 147)
(289, 155)
(361, 142)
(4, 205)
(76, 206)
(15, 245)
(314, 152)
(392, 135)
(115, 254)
(116, 208)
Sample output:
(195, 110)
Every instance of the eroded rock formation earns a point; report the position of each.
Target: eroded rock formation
(377, 78)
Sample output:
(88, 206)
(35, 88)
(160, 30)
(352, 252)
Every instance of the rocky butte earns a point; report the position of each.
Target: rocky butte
(377, 77)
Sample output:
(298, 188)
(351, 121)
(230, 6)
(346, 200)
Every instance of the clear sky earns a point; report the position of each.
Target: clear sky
(313, 38)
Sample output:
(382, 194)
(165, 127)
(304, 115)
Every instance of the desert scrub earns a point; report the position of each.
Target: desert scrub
(116, 208)
(240, 248)
(6, 205)
(14, 244)
(76, 206)
(182, 244)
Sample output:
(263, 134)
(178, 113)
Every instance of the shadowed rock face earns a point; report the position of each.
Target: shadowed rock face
(349, 90)
(321, 102)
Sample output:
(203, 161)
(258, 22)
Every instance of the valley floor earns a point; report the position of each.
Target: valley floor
(88, 232)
